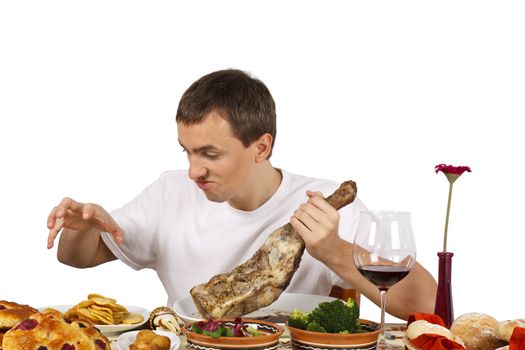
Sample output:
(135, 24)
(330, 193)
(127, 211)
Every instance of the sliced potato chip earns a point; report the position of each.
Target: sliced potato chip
(132, 319)
(102, 310)
(101, 297)
(94, 317)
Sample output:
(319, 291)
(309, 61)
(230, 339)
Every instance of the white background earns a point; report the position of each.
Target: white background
(377, 91)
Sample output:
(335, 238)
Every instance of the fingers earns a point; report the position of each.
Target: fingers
(54, 231)
(316, 218)
(55, 220)
(80, 217)
(318, 209)
(68, 204)
(88, 211)
(52, 218)
(311, 216)
(317, 199)
(102, 220)
(117, 236)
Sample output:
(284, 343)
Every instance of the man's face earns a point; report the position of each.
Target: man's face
(219, 163)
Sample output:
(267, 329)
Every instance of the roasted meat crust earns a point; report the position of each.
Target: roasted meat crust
(260, 280)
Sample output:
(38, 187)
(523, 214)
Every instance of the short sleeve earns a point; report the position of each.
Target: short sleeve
(138, 220)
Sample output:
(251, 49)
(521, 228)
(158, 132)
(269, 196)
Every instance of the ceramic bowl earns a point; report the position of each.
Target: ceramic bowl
(306, 340)
(269, 341)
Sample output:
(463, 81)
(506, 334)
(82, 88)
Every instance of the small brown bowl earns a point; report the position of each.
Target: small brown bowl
(268, 341)
(302, 340)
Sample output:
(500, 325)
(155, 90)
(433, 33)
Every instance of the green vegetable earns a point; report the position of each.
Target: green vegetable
(335, 316)
(253, 331)
(314, 326)
(298, 319)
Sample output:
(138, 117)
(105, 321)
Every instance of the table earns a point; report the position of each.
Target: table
(395, 330)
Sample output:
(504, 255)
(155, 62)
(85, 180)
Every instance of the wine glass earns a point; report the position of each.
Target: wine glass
(384, 252)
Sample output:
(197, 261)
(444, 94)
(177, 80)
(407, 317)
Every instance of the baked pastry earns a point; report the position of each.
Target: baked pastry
(476, 330)
(11, 313)
(416, 328)
(420, 327)
(504, 329)
(149, 340)
(50, 331)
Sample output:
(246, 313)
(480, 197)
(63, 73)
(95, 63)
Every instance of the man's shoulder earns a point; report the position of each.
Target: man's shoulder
(175, 180)
(297, 181)
(298, 184)
(180, 175)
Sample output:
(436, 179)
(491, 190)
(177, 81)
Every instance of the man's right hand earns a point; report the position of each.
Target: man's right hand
(77, 216)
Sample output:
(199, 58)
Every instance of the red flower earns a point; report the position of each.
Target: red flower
(452, 173)
(450, 169)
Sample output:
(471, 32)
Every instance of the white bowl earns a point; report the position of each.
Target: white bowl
(287, 302)
(110, 330)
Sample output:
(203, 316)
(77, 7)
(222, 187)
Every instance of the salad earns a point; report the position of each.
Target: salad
(217, 328)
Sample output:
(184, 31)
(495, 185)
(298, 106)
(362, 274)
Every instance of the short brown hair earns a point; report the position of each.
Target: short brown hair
(245, 102)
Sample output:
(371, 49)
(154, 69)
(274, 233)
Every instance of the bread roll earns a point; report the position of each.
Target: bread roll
(504, 329)
(149, 340)
(476, 330)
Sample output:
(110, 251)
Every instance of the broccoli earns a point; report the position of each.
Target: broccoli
(314, 326)
(298, 319)
(332, 317)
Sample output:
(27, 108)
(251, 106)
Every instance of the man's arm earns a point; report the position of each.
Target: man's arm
(317, 222)
(414, 293)
(83, 249)
(80, 243)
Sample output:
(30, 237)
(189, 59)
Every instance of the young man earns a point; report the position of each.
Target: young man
(219, 212)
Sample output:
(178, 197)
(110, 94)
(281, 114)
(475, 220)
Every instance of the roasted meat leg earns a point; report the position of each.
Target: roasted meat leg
(260, 280)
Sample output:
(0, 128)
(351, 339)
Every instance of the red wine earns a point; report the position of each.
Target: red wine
(384, 276)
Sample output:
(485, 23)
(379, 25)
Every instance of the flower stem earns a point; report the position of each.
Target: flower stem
(446, 218)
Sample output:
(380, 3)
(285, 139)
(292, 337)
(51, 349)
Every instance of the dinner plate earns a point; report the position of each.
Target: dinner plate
(126, 339)
(110, 330)
(276, 312)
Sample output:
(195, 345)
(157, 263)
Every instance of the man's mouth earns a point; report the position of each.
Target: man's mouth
(203, 185)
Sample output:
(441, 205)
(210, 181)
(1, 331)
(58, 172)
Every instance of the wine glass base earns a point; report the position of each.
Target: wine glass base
(383, 345)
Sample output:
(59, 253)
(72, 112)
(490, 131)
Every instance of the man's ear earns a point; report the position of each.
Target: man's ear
(263, 147)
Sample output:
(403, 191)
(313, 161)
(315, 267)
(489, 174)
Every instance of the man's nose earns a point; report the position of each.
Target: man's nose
(197, 169)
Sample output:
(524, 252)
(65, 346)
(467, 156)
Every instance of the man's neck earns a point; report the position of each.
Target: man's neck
(262, 187)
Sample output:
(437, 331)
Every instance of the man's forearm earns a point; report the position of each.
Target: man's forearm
(416, 292)
(78, 248)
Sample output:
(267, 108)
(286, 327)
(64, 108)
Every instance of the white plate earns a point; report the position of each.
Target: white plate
(285, 305)
(126, 339)
(110, 330)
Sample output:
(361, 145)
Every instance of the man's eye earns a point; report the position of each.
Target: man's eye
(211, 156)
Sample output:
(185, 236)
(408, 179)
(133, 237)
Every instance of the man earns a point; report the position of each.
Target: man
(189, 226)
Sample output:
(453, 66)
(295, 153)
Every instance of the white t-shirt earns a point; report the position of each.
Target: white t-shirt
(173, 228)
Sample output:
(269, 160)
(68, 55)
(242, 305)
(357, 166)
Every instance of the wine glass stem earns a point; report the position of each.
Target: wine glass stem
(381, 343)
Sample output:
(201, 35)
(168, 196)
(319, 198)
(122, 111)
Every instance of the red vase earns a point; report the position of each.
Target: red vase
(444, 307)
